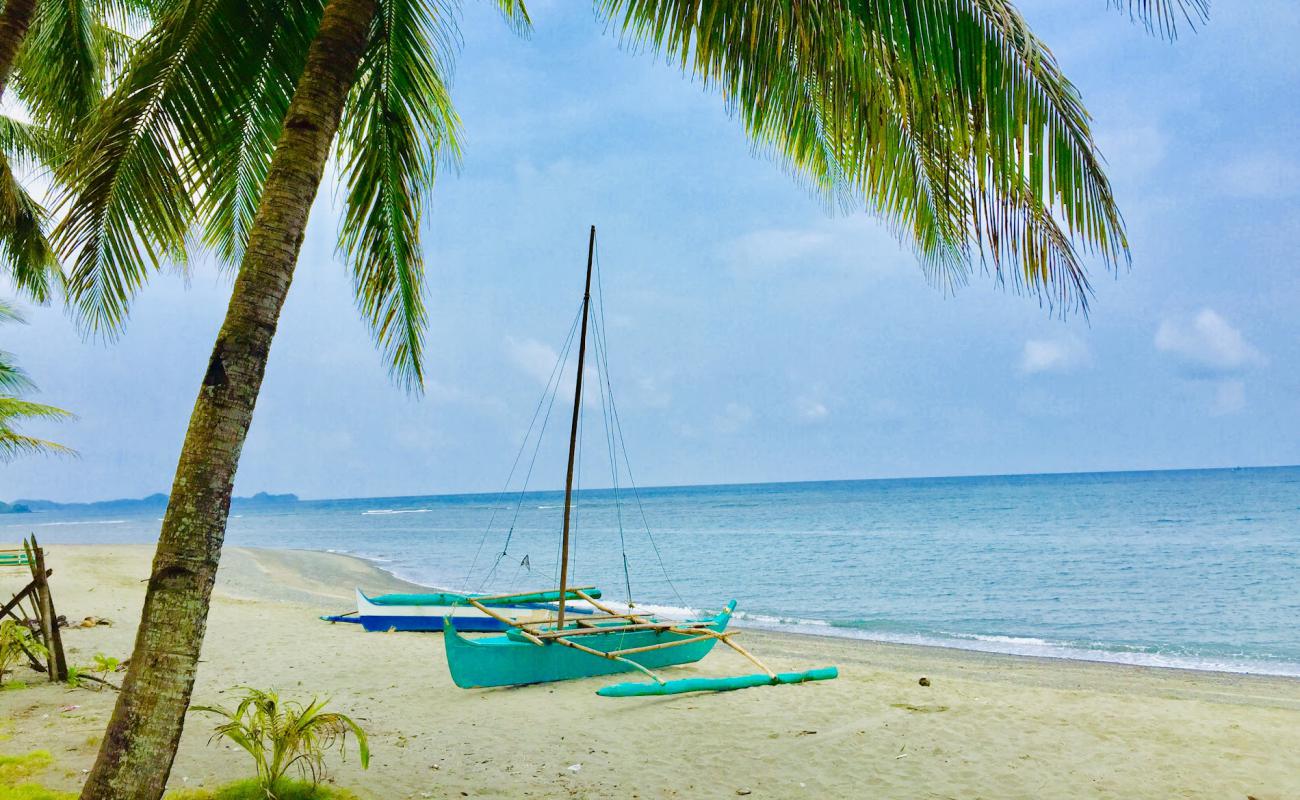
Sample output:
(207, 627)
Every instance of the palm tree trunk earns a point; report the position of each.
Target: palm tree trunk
(139, 746)
(15, 19)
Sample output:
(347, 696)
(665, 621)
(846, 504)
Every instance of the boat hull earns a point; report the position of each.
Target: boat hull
(430, 617)
(510, 661)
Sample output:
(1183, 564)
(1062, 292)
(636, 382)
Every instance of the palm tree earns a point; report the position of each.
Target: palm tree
(948, 119)
(14, 410)
(59, 55)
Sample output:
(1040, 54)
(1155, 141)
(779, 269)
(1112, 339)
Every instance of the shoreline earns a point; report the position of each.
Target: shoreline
(985, 644)
(990, 725)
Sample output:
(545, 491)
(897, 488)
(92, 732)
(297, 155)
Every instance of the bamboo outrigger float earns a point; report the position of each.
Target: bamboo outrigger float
(606, 641)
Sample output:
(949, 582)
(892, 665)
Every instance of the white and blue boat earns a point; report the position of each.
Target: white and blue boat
(429, 611)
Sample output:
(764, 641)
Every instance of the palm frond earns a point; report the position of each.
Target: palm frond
(515, 15)
(397, 125)
(148, 155)
(25, 252)
(13, 379)
(13, 443)
(869, 96)
(29, 145)
(232, 164)
(59, 68)
(1163, 17)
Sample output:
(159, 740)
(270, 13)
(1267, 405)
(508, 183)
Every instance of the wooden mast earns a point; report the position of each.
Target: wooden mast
(573, 432)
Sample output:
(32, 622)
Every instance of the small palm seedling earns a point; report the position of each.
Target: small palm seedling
(281, 735)
(96, 673)
(16, 643)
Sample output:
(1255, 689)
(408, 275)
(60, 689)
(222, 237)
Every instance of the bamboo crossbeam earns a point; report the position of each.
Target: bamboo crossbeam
(502, 618)
(585, 620)
(609, 656)
(659, 646)
(640, 626)
(725, 638)
(610, 611)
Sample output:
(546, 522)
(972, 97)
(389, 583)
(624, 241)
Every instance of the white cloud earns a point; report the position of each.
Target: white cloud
(1207, 346)
(650, 392)
(1260, 176)
(779, 246)
(853, 244)
(733, 417)
(1053, 355)
(1133, 152)
(810, 409)
(534, 358)
(1229, 397)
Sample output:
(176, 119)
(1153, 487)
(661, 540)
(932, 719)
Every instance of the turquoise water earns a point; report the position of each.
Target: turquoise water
(1197, 568)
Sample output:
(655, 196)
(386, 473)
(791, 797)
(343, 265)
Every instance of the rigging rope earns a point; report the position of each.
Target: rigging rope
(627, 464)
(606, 400)
(553, 379)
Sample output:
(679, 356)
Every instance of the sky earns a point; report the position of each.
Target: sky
(752, 335)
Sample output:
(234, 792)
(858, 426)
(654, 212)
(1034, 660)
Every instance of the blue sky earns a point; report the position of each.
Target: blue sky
(753, 337)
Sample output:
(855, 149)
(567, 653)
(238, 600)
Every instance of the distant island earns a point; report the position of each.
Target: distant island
(156, 501)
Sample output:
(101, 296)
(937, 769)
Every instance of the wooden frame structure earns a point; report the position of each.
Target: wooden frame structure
(35, 603)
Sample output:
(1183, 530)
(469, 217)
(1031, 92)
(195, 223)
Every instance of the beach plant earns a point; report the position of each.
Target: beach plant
(947, 119)
(14, 410)
(95, 675)
(281, 735)
(16, 643)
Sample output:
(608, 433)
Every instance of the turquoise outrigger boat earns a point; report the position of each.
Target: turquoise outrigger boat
(606, 641)
(513, 659)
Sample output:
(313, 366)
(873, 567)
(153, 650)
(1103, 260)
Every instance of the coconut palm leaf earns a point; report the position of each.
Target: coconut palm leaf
(1163, 17)
(29, 145)
(25, 253)
(135, 202)
(70, 53)
(13, 379)
(13, 411)
(836, 88)
(229, 159)
(397, 125)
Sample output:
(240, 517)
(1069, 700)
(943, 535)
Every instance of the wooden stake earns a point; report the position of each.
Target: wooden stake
(58, 665)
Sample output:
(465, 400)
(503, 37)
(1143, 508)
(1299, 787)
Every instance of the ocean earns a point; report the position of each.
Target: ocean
(1195, 568)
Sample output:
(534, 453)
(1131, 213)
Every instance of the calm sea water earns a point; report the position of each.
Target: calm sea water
(1195, 569)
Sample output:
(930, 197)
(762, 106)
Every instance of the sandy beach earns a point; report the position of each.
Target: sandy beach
(989, 726)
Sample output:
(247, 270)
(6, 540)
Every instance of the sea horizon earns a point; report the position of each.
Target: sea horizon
(688, 486)
(1179, 568)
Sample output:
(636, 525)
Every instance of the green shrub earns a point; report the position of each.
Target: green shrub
(280, 735)
(13, 639)
(94, 676)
